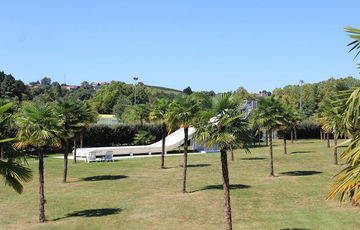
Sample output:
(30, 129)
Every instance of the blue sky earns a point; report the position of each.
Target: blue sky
(208, 45)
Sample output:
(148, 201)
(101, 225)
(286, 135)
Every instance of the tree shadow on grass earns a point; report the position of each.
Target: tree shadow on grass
(196, 165)
(296, 229)
(220, 187)
(92, 213)
(300, 173)
(295, 152)
(252, 158)
(104, 177)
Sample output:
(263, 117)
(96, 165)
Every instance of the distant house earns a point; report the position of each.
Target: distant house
(263, 93)
(95, 85)
(70, 87)
(105, 83)
(34, 84)
(140, 83)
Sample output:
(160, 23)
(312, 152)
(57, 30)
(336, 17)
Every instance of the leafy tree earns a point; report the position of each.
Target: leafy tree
(13, 172)
(39, 127)
(136, 114)
(120, 106)
(269, 117)
(188, 90)
(222, 125)
(288, 119)
(143, 137)
(46, 81)
(183, 113)
(159, 114)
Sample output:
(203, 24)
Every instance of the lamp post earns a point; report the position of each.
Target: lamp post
(135, 79)
(301, 83)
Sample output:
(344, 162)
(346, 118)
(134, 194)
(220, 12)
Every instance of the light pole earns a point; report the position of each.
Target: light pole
(301, 83)
(135, 79)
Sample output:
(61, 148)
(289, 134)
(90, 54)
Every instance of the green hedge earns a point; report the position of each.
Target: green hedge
(122, 134)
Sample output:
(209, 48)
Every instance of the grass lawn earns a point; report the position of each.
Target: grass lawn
(136, 194)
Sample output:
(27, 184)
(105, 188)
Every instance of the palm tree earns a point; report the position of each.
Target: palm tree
(68, 111)
(39, 127)
(183, 113)
(288, 119)
(269, 117)
(87, 115)
(13, 172)
(224, 126)
(332, 120)
(159, 115)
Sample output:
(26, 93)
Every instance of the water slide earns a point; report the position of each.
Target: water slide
(172, 141)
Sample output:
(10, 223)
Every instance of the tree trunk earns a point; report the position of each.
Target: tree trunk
(266, 137)
(285, 152)
(271, 157)
(74, 154)
(67, 150)
(81, 139)
(292, 136)
(41, 187)
(324, 136)
(335, 149)
(328, 140)
(321, 136)
(2, 151)
(185, 158)
(163, 145)
(295, 132)
(226, 187)
(232, 152)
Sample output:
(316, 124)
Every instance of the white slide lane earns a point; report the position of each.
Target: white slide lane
(172, 141)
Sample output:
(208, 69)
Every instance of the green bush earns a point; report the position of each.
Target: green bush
(122, 134)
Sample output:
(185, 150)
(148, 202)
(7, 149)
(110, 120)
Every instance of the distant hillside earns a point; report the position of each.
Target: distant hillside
(165, 89)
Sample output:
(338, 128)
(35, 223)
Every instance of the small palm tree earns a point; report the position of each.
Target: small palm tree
(290, 118)
(159, 114)
(222, 125)
(67, 110)
(183, 113)
(13, 172)
(39, 127)
(269, 116)
(87, 115)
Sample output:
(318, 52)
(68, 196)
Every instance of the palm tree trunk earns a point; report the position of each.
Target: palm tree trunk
(226, 187)
(2, 151)
(163, 145)
(328, 140)
(67, 150)
(81, 139)
(185, 158)
(232, 152)
(292, 136)
(321, 136)
(295, 132)
(271, 156)
(285, 152)
(41, 187)
(335, 149)
(74, 154)
(266, 137)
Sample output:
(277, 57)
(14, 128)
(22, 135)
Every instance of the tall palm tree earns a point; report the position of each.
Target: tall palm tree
(183, 113)
(159, 115)
(68, 110)
(222, 125)
(269, 116)
(13, 172)
(39, 127)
